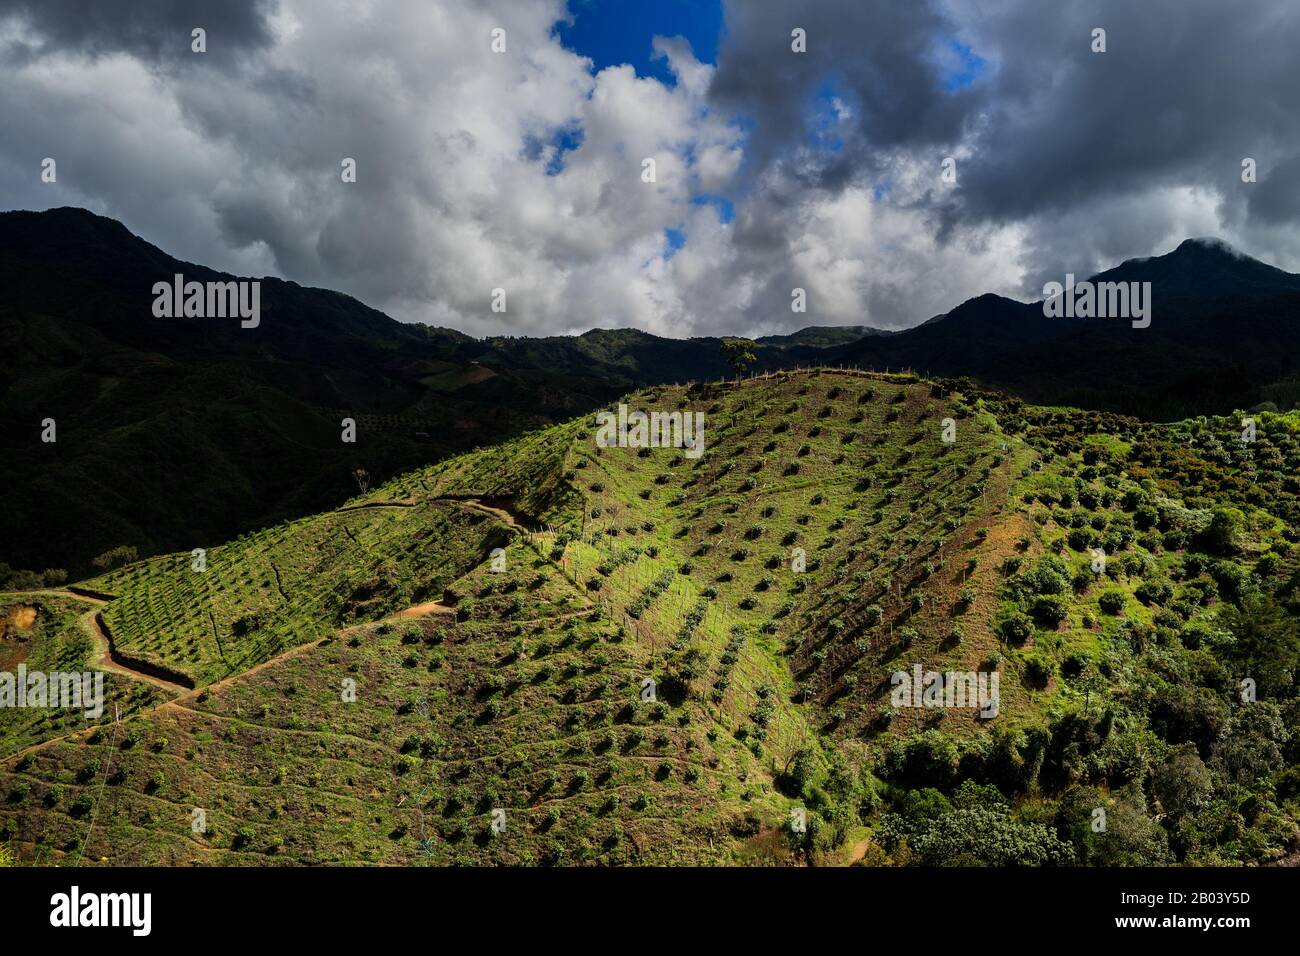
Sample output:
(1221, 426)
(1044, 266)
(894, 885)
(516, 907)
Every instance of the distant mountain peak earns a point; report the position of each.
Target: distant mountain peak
(65, 224)
(1204, 268)
(1202, 244)
(1194, 247)
(978, 304)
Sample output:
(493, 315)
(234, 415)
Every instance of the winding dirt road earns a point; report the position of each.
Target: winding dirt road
(105, 658)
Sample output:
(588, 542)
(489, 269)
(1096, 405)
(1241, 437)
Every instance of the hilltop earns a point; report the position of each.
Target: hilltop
(225, 430)
(637, 655)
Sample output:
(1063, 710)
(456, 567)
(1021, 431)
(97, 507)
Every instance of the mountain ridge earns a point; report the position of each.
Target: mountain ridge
(230, 429)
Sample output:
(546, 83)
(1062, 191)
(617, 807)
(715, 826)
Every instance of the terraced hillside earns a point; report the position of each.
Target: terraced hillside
(553, 651)
(207, 616)
(53, 632)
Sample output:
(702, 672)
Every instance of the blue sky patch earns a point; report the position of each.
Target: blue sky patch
(824, 115)
(613, 32)
(726, 210)
(563, 141)
(675, 239)
(959, 65)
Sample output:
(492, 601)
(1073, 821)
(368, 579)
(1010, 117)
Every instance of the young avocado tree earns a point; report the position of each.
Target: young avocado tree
(739, 354)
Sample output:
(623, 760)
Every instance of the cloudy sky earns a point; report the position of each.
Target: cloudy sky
(774, 169)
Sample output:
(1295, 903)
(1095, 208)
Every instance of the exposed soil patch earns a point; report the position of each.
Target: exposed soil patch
(14, 644)
(421, 610)
(23, 617)
(13, 651)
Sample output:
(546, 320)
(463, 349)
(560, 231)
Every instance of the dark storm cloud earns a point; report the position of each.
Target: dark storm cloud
(1104, 156)
(877, 56)
(1277, 197)
(1185, 91)
(150, 29)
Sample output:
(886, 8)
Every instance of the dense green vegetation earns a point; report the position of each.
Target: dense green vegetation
(297, 582)
(639, 655)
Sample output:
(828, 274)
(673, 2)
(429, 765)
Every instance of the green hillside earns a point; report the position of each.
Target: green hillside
(645, 655)
(288, 585)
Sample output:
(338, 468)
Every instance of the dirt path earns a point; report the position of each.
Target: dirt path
(420, 610)
(469, 501)
(474, 504)
(505, 517)
(858, 851)
(184, 696)
(105, 660)
(57, 592)
(378, 504)
(103, 657)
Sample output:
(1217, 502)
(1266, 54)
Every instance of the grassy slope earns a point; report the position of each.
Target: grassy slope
(55, 638)
(524, 694)
(289, 584)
